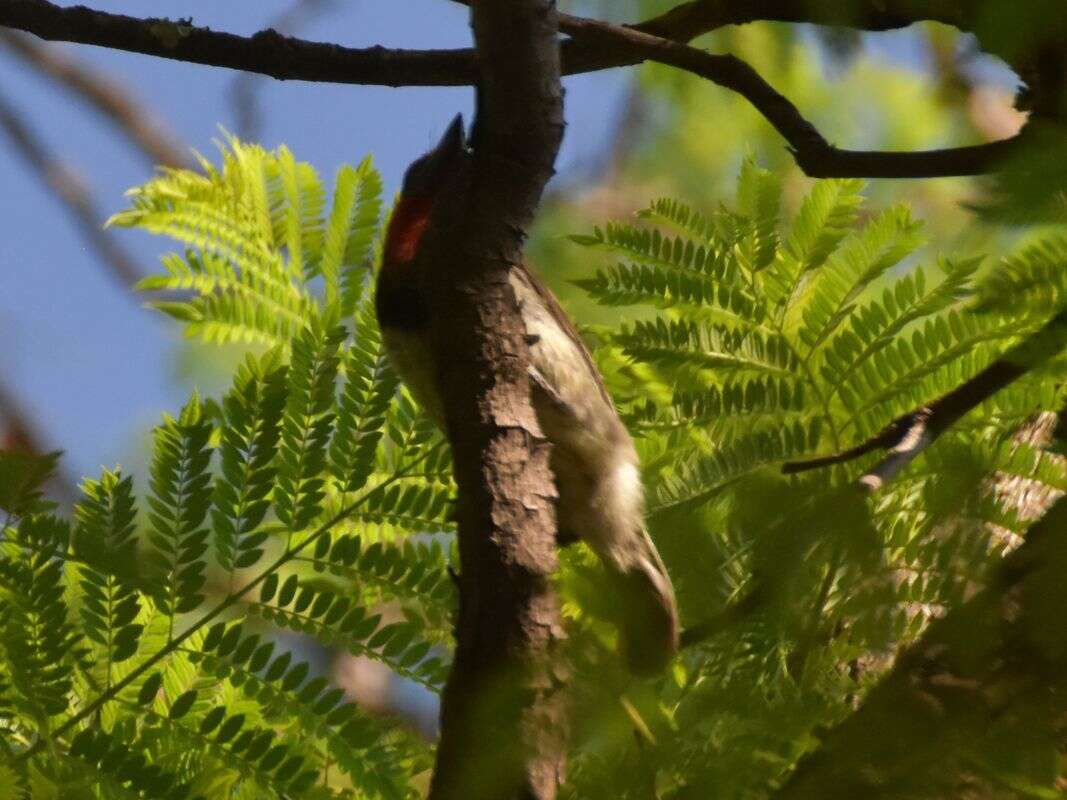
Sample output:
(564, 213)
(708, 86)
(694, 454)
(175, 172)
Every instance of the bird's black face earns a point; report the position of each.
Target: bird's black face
(423, 183)
(426, 176)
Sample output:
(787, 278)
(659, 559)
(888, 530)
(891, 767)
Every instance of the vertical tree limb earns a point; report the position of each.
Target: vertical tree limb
(502, 732)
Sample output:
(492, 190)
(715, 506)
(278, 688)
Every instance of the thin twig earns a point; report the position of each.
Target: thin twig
(20, 433)
(288, 58)
(595, 45)
(814, 154)
(907, 436)
(244, 86)
(221, 607)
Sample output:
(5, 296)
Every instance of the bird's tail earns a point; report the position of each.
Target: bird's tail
(647, 611)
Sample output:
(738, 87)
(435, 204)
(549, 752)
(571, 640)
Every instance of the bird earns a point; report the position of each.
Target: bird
(593, 458)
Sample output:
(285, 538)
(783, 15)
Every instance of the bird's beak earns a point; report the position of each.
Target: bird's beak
(454, 141)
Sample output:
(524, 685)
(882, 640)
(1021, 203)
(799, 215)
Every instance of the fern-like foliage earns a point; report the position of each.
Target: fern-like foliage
(181, 497)
(140, 653)
(255, 233)
(762, 326)
(306, 426)
(369, 387)
(146, 645)
(41, 641)
(104, 538)
(253, 411)
(774, 341)
(1033, 280)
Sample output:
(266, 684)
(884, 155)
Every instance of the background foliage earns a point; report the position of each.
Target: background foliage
(795, 319)
(139, 638)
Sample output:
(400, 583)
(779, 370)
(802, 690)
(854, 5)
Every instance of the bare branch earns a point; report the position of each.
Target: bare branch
(907, 436)
(71, 191)
(266, 52)
(103, 94)
(19, 433)
(816, 156)
(287, 58)
(596, 45)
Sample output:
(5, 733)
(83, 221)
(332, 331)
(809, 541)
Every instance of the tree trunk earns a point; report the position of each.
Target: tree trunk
(502, 727)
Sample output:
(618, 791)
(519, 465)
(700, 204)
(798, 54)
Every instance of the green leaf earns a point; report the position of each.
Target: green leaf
(354, 220)
(183, 704)
(829, 296)
(270, 586)
(104, 539)
(759, 193)
(22, 476)
(150, 688)
(181, 497)
(370, 386)
(306, 426)
(253, 410)
(826, 216)
(684, 342)
(39, 637)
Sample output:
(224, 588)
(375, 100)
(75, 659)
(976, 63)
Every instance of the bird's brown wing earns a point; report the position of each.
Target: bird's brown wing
(560, 316)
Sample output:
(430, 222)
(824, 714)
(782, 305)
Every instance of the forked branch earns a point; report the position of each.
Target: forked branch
(909, 435)
(594, 45)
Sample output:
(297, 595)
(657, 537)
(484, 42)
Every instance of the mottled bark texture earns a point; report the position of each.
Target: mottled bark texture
(502, 723)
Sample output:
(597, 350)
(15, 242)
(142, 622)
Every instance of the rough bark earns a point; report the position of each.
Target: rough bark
(502, 729)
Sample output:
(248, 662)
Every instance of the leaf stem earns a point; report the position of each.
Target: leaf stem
(223, 605)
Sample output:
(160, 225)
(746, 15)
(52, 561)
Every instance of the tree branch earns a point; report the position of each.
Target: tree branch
(107, 97)
(595, 45)
(288, 58)
(502, 729)
(19, 433)
(907, 436)
(987, 683)
(266, 52)
(243, 90)
(816, 156)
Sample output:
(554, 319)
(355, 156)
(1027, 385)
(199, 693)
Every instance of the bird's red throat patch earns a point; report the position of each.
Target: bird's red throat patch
(408, 224)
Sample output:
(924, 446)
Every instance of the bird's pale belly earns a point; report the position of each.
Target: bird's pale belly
(593, 458)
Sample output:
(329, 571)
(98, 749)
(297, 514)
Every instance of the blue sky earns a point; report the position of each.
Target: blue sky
(90, 366)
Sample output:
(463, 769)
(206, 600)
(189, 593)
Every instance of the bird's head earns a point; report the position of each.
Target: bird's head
(424, 181)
